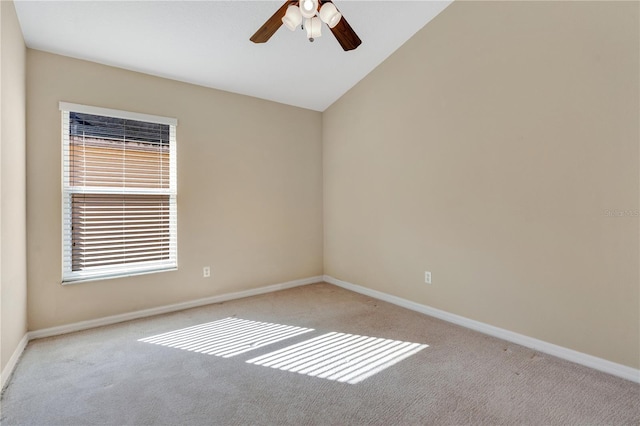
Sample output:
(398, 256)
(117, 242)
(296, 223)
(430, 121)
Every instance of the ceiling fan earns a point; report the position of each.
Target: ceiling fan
(314, 12)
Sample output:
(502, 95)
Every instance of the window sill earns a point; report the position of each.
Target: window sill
(111, 277)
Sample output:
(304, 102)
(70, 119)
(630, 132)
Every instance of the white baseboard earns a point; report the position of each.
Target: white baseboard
(539, 345)
(99, 322)
(529, 342)
(114, 319)
(13, 361)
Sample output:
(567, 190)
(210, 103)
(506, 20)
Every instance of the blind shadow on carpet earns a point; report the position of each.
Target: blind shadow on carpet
(346, 358)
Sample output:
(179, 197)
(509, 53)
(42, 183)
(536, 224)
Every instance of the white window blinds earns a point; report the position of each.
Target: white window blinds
(119, 193)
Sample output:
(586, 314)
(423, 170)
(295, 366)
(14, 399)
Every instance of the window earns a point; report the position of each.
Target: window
(119, 193)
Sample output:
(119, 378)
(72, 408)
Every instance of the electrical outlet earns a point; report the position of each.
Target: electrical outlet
(427, 277)
(206, 272)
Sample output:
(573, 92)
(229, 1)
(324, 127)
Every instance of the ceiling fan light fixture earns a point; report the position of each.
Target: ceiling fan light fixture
(308, 8)
(313, 27)
(292, 17)
(330, 15)
(314, 12)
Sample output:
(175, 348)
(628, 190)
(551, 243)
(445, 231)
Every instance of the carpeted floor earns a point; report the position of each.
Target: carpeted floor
(190, 368)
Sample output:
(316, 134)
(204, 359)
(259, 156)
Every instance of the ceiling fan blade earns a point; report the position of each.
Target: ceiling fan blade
(345, 35)
(269, 28)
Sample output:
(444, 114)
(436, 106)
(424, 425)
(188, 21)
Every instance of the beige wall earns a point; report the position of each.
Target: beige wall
(249, 190)
(487, 150)
(13, 270)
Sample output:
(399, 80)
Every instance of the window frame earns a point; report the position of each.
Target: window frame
(124, 269)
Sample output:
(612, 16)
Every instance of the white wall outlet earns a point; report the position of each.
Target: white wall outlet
(206, 272)
(427, 277)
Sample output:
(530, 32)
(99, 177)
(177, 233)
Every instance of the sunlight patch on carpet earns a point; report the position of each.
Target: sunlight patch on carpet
(346, 358)
(226, 337)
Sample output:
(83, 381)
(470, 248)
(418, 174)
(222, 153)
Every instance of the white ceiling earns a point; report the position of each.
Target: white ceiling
(207, 42)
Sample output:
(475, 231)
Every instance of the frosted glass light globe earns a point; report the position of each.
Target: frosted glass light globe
(308, 8)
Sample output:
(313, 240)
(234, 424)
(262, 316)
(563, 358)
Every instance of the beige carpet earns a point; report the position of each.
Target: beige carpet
(311, 355)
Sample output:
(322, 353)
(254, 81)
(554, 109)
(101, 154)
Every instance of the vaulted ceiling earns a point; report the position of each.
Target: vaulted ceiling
(207, 42)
